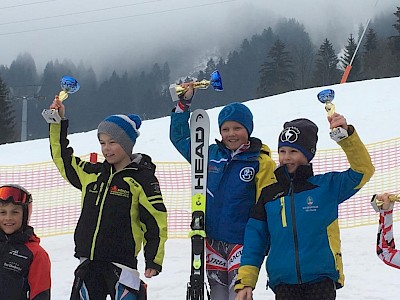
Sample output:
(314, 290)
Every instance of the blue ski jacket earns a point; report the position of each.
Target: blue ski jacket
(233, 183)
(295, 222)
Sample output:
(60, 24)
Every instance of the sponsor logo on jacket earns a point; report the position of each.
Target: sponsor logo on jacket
(310, 205)
(12, 266)
(247, 174)
(16, 253)
(114, 190)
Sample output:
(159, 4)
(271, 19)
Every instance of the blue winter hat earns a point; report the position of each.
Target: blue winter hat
(237, 112)
(123, 129)
(301, 134)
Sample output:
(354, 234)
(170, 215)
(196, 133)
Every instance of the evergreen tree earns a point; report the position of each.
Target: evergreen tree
(397, 24)
(372, 55)
(300, 48)
(371, 40)
(276, 75)
(326, 67)
(7, 116)
(394, 42)
(355, 73)
(239, 71)
(388, 64)
(210, 68)
(165, 76)
(23, 83)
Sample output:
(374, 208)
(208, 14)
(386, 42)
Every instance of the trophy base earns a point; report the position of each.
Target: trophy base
(337, 134)
(374, 205)
(172, 91)
(51, 116)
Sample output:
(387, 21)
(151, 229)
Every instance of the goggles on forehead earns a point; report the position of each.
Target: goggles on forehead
(16, 194)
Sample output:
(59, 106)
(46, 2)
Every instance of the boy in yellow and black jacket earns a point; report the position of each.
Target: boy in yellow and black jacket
(122, 208)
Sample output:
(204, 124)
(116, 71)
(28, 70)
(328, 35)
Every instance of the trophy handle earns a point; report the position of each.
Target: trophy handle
(63, 95)
(330, 108)
(215, 81)
(326, 97)
(394, 197)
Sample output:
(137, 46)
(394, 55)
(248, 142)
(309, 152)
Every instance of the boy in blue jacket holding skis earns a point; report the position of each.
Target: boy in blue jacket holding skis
(295, 221)
(239, 166)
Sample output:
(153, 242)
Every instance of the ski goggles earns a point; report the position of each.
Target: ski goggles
(16, 194)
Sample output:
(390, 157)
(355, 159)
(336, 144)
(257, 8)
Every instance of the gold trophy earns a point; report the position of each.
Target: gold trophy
(69, 85)
(215, 81)
(326, 97)
(377, 204)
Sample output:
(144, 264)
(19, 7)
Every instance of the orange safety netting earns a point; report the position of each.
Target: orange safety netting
(56, 206)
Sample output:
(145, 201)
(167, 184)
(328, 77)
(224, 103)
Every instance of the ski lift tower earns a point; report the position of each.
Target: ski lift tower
(25, 93)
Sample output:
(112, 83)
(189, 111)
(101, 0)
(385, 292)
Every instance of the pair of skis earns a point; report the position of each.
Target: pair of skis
(199, 137)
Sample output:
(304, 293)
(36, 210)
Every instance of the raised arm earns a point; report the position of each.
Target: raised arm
(356, 152)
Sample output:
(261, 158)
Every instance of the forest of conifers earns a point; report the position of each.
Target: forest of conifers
(275, 61)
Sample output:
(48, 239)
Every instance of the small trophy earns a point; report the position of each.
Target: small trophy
(326, 97)
(377, 204)
(215, 81)
(69, 85)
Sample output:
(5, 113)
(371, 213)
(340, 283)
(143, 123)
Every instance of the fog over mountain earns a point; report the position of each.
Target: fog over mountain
(110, 35)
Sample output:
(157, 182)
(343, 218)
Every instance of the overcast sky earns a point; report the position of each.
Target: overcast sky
(116, 33)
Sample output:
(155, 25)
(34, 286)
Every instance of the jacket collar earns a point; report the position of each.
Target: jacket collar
(18, 237)
(138, 161)
(299, 178)
(255, 145)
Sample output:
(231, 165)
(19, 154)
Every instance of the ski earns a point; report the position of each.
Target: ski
(199, 137)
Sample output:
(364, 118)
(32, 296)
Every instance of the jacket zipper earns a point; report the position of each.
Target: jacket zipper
(103, 198)
(295, 238)
(96, 232)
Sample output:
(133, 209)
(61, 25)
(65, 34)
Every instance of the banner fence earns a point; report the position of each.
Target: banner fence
(56, 204)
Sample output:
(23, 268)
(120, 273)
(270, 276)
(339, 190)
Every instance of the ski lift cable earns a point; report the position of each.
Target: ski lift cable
(79, 13)
(26, 4)
(120, 18)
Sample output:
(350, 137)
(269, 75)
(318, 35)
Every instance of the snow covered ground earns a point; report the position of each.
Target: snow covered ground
(366, 276)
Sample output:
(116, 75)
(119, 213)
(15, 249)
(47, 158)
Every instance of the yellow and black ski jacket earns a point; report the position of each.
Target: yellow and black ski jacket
(120, 210)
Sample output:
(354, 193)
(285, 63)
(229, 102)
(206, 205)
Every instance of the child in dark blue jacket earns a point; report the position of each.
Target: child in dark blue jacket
(239, 166)
(295, 221)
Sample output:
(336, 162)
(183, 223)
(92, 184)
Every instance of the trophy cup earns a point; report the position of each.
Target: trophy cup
(215, 81)
(377, 204)
(69, 85)
(326, 97)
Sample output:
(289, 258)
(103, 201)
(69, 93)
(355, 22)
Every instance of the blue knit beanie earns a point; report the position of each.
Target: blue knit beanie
(237, 112)
(301, 134)
(123, 129)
